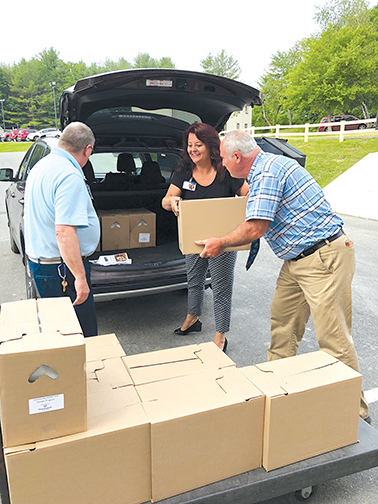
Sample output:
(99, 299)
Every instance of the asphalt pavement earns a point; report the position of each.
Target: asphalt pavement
(147, 323)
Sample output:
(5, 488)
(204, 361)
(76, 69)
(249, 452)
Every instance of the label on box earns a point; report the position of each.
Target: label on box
(144, 237)
(48, 403)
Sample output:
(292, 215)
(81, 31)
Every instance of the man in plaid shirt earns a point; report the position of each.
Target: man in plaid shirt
(288, 207)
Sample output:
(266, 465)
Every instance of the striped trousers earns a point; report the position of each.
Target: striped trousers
(222, 281)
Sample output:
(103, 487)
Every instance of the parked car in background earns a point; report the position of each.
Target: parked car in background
(5, 135)
(337, 119)
(14, 134)
(32, 137)
(22, 135)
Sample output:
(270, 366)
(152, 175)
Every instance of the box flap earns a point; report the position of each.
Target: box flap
(58, 314)
(160, 356)
(263, 381)
(107, 374)
(31, 316)
(188, 395)
(41, 342)
(18, 318)
(295, 374)
(336, 372)
(104, 346)
(209, 351)
(173, 362)
(297, 364)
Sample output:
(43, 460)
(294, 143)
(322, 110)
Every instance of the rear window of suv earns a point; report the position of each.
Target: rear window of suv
(105, 162)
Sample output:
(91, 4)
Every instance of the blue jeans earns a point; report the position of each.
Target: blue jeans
(49, 284)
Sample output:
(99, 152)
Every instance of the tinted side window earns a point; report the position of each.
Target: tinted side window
(23, 166)
(39, 152)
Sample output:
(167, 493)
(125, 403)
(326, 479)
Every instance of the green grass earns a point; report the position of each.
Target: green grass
(15, 146)
(326, 158)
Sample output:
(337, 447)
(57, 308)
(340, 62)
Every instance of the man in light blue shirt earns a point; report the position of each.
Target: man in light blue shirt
(61, 225)
(287, 207)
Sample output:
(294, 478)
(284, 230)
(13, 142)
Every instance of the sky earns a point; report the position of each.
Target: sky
(249, 31)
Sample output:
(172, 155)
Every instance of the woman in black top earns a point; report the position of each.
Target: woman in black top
(201, 175)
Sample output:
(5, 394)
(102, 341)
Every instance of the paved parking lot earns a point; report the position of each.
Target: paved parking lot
(144, 324)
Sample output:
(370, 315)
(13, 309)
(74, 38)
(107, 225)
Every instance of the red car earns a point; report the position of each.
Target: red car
(338, 119)
(23, 133)
(14, 134)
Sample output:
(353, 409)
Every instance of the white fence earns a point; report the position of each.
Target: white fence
(363, 127)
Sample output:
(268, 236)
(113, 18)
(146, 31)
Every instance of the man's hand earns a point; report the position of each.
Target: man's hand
(82, 291)
(69, 248)
(213, 247)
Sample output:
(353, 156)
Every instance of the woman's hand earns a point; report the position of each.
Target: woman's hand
(171, 199)
(174, 201)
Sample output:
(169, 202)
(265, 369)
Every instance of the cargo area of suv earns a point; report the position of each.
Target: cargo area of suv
(123, 181)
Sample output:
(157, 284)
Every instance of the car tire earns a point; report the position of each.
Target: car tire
(361, 126)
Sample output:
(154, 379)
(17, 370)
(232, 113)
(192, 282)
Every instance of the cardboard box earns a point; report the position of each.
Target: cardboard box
(174, 362)
(312, 406)
(110, 462)
(42, 374)
(209, 218)
(205, 427)
(142, 228)
(115, 229)
(104, 346)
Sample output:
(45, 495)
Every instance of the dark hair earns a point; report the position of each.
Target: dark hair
(209, 136)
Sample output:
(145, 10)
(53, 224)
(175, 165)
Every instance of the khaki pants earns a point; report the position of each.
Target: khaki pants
(318, 285)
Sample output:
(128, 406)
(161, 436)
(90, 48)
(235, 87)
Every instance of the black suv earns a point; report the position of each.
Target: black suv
(139, 115)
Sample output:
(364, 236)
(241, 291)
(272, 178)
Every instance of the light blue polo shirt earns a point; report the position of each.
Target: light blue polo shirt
(56, 193)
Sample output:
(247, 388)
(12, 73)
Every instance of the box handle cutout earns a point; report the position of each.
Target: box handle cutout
(43, 370)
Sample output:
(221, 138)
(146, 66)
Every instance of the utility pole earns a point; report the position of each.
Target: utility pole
(53, 84)
(2, 110)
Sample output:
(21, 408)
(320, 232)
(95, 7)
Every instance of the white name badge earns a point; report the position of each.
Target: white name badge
(189, 186)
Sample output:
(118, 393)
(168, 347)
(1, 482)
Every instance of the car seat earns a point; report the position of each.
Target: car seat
(125, 176)
(151, 173)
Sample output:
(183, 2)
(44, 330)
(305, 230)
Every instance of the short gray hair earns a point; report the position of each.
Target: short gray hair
(76, 136)
(238, 141)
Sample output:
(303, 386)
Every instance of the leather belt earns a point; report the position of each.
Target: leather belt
(310, 250)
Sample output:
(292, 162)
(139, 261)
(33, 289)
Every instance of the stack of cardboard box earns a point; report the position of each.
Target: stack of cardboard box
(127, 229)
(159, 423)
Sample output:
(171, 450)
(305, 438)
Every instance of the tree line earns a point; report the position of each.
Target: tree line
(27, 87)
(334, 71)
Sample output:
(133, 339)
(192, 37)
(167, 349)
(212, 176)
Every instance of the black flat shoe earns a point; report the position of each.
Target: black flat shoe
(196, 327)
(225, 345)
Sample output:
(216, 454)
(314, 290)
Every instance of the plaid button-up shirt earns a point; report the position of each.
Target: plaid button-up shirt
(284, 193)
